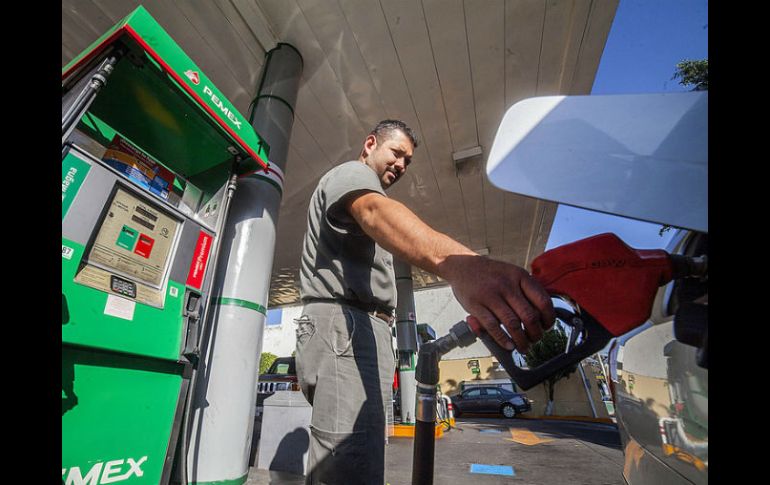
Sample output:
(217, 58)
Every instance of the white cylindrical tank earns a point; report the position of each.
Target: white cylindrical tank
(224, 398)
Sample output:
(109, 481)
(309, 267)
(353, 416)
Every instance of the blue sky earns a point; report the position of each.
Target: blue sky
(647, 39)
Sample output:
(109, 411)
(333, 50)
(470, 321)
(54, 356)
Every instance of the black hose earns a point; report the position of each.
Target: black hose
(427, 376)
(83, 101)
(424, 449)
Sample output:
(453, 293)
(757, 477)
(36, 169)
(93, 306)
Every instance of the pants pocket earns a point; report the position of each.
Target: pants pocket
(305, 329)
(343, 330)
(304, 357)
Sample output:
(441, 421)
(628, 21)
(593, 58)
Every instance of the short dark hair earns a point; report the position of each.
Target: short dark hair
(385, 128)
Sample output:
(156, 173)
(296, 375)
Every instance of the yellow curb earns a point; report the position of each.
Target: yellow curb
(407, 431)
(569, 418)
(669, 450)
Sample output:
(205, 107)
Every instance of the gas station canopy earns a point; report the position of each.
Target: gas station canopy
(449, 69)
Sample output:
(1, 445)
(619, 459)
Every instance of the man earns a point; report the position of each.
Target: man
(345, 361)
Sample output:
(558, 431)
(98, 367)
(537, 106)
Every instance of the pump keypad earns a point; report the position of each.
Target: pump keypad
(123, 287)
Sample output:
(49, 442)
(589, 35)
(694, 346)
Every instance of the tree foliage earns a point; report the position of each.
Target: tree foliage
(693, 73)
(552, 344)
(265, 361)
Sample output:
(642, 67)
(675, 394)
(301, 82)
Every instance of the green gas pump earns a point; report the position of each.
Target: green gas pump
(150, 151)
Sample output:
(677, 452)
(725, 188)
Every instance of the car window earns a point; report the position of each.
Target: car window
(493, 392)
(473, 393)
(283, 365)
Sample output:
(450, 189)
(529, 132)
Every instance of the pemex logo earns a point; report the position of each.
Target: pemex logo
(193, 76)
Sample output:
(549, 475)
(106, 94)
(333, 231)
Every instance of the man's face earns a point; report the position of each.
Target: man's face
(390, 158)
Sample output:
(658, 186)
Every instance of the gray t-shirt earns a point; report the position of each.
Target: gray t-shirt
(339, 260)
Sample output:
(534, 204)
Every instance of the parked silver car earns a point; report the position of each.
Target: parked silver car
(660, 383)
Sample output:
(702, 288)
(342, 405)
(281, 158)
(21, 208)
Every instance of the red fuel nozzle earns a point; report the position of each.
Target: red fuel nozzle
(614, 286)
(612, 281)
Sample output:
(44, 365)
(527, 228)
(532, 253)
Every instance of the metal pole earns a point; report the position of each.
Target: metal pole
(587, 388)
(406, 339)
(598, 356)
(224, 400)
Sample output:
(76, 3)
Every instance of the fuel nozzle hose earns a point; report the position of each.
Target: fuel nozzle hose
(84, 99)
(689, 266)
(427, 376)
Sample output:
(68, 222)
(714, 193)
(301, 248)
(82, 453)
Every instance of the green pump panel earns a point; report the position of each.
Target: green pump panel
(149, 151)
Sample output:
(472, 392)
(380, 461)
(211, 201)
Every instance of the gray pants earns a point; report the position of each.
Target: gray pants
(345, 367)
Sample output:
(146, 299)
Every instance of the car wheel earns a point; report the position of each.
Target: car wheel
(508, 411)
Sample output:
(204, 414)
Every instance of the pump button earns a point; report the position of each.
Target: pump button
(123, 287)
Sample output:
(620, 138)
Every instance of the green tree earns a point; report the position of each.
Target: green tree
(693, 73)
(552, 344)
(265, 361)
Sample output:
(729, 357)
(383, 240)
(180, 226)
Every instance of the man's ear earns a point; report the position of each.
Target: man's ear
(370, 144)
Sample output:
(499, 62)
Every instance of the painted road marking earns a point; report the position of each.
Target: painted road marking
(526, 437)
(492, 470)
(490, 431)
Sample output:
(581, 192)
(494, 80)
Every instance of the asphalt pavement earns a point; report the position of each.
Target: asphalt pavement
(482, 450)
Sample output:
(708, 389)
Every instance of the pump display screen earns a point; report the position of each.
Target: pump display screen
(135, 240)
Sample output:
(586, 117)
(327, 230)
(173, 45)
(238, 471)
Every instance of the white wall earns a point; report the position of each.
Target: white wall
(436, 306)
(281, 340)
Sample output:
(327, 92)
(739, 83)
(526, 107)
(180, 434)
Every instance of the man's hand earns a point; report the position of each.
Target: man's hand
(498, 293)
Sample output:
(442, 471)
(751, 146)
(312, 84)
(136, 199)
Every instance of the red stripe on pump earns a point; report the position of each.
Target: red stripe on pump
(199, 261)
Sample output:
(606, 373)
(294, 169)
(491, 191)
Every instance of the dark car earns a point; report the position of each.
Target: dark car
(281, 376)
(490, 399)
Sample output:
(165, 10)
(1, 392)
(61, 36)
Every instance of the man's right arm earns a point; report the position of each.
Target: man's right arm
(492, 291)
